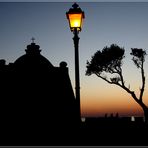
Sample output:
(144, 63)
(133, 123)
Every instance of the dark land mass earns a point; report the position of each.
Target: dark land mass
(96, 132)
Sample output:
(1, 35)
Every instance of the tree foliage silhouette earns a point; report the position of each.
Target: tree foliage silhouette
(110, 60)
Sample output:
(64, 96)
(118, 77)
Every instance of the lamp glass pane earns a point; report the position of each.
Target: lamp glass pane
(75, 20)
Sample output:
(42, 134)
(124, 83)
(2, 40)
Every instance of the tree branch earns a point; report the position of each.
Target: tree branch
(110, 82)
(143, 82)
(121, 76)
(113, 71)
(132, 93)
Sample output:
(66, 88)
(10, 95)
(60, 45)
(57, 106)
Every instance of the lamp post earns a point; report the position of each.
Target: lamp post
(75, 17)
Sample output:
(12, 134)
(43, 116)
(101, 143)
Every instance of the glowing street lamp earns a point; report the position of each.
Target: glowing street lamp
(75, 17)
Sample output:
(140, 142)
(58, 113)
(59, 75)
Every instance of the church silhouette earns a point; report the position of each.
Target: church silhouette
(36, 97)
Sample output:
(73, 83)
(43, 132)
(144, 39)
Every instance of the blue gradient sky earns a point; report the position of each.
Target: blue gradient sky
(125, 24)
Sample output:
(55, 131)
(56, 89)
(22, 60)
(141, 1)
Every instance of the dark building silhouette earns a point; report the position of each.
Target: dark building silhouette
(35, 95)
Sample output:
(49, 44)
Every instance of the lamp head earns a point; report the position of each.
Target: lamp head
(75, 17)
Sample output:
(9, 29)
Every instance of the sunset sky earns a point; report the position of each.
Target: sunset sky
(121, 23)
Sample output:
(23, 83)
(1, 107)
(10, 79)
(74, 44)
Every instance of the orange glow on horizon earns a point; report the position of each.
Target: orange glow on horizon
(106, 98)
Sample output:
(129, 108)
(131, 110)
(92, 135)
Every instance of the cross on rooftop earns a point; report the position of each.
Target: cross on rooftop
(33, 39)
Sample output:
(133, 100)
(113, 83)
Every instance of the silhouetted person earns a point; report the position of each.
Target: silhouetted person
(106, 115)
(117, 115)
(111, 115)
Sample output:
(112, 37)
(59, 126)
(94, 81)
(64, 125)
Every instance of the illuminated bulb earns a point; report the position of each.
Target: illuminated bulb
(76, 24)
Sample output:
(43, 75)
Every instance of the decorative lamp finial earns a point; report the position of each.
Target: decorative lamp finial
(75, 5)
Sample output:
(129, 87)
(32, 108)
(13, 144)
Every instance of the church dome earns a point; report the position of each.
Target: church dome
(32, 58)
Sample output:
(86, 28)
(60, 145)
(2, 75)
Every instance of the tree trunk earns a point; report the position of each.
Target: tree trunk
(146, 115)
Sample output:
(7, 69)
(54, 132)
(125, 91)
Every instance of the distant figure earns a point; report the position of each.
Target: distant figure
(111, 115)
(106, 115)
(117, 115)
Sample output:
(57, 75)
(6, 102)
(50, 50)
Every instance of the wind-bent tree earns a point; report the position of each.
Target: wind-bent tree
(110, 60)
